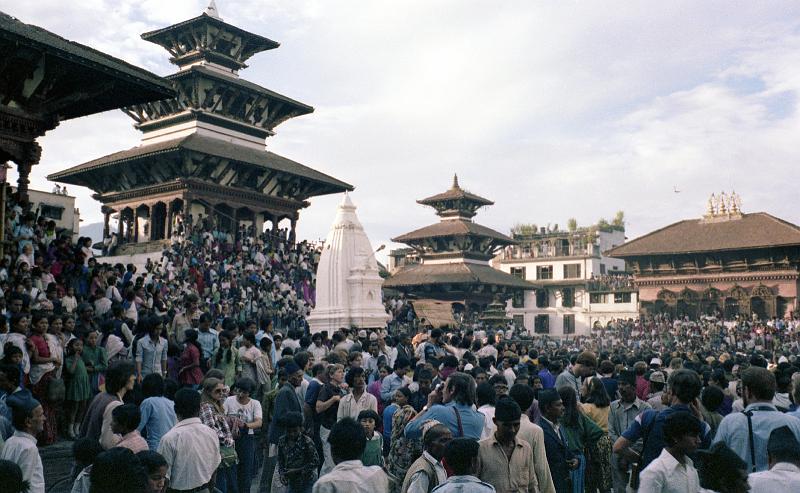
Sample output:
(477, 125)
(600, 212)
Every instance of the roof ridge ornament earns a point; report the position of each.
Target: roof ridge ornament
(455, 182)
(212, 10)
(723, 207)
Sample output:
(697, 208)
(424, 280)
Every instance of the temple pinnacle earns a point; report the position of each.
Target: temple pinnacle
(212, 11)
(455, 182)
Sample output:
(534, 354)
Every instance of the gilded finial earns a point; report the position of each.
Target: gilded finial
(455, 182)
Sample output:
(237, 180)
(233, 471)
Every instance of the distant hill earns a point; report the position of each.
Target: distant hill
(93, 231)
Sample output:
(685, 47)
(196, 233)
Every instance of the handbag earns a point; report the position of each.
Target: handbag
(56, 390)
(229, 457)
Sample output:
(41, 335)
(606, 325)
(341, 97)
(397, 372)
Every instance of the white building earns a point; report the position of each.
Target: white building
(57, 207)
(580, 287)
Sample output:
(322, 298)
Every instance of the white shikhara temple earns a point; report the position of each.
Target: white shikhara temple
(348, 283)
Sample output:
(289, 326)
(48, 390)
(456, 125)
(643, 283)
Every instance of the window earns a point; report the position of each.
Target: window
(518, 272)
(541, 324)
(542, 298)
(562, 248)
(602, 268)
(51, 211)
(572, 271)
(597, 298)
(518, 299)
(544, 272)
(519, 321)
(622, 297)
(568, 297)
(569, 324)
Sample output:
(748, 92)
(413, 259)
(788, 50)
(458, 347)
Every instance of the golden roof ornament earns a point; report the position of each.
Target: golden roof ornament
(723, 207)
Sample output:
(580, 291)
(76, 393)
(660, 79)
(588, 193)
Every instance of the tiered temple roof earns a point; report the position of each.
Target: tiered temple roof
(455, 254)
(203, 151)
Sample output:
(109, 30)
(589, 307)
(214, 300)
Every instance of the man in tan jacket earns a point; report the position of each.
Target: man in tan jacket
(532, 433)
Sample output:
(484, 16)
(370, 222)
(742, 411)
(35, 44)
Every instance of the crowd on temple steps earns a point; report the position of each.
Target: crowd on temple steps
(199, 374)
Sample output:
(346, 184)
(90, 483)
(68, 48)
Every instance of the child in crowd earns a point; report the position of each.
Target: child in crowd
(125, 420)
(373, 452)
(85, 451)
(94, 357)
(156, 467)
(78, 390)
(297, 455)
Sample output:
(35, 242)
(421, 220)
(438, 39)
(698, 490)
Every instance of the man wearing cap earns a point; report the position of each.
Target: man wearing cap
(621, 415)
(28, 420)
(505, 461)
(784, 464)
(657, 383)
(747, 432)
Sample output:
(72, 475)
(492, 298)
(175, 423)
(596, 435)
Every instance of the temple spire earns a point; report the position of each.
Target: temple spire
(455, 182)
(212, 11)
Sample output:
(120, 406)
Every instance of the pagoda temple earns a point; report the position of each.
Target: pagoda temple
(454, 257)
(726, 263)
(202, 155)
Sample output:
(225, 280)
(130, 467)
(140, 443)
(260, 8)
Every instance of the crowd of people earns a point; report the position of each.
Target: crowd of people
(199, 374)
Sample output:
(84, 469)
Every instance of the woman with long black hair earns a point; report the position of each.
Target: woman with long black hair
(597, 405)
(190, 374)
(580, 433)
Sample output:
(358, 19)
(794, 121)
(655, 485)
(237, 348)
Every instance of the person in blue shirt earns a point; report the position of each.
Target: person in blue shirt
(158, 412)
(547, 378)
(758, 390)
(452, 405)
(394, 381)
(684, 388)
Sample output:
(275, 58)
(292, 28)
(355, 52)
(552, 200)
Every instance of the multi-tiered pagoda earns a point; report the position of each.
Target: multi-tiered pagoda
(454, 257)
(202, 154)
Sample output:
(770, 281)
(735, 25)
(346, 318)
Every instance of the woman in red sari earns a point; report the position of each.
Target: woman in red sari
(190, 374)
(45, 364)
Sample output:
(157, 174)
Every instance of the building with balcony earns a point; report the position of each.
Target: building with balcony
(726, 263)
(578, 287)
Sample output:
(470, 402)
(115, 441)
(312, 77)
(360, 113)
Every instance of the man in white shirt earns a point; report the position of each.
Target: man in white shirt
(191, 448)
(673, 471)
(28, 419)
(319, 350)
(347, 442)
(784, 464)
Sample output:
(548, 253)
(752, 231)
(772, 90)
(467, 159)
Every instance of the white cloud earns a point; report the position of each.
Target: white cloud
(553, 110)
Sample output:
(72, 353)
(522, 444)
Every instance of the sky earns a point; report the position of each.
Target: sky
(553, 110)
